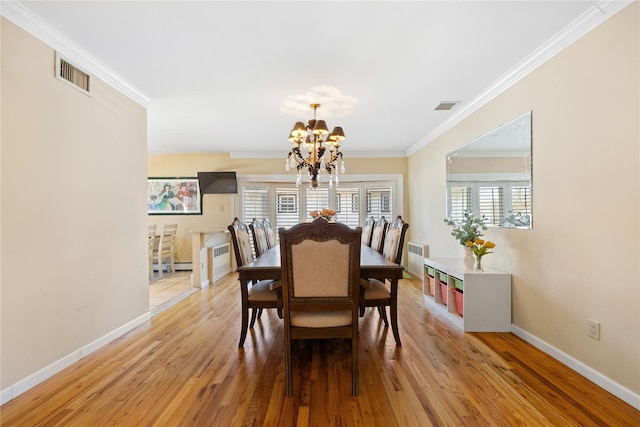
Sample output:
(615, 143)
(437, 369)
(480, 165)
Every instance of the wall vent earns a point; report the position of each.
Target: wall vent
(446, 105)
(72, 75)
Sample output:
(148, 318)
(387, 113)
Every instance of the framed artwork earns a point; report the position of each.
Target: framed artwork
(174, 196)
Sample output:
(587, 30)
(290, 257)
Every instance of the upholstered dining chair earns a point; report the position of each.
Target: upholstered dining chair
(259, 237)
(167, 248)
(152, 244)
(255, 296)
(379, 294)
(269, 232)
(378, 234)
(320, 296)
(367, 231)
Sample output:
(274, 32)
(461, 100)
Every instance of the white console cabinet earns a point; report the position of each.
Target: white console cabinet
(486, 295)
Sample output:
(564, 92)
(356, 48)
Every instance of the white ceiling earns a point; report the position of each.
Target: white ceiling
(215, 74)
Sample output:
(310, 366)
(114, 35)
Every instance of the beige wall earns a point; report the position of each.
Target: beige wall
(73, 216)
(219, 209)
(581, 259)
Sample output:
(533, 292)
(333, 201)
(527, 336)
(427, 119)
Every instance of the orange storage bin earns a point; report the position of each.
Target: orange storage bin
(459, 301)
(443, 292)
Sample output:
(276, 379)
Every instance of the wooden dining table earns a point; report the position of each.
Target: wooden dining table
(372, 265)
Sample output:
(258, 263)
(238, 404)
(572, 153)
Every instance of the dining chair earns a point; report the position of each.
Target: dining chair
(378, 234)
(367, 231)
(152, 243)
(255, 296)
(167, 248)
(379, 294)
(259, 237)
(269, 232)
(320, 264)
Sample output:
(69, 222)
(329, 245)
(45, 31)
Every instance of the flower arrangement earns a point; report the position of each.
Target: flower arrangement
(323, 213)
(469, 229)
(480, 248)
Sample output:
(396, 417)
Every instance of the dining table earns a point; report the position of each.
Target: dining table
(372, 265)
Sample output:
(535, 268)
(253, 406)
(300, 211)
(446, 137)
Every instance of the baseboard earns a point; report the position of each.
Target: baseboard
(47, 372)
(180, 266)
(591, 374)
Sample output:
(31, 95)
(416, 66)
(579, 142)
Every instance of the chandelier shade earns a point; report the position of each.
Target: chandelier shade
(310, 146)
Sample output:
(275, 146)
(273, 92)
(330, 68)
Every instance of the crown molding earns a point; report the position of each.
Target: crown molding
(15, 12)
(589, 20)
(348, 154)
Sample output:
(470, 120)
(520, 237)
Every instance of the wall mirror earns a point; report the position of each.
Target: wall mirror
(491, 176)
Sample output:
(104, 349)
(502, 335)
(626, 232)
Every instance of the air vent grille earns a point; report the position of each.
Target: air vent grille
(71, 74)
(446, 105)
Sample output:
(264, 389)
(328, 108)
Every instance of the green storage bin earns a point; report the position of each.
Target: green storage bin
(442, 276)
(430, 271)
(459, 283)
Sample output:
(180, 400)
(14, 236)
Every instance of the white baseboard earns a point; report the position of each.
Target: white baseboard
(36, 378)
(589, 373)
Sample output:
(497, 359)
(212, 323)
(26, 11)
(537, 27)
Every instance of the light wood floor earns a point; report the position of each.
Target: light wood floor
(183, 368)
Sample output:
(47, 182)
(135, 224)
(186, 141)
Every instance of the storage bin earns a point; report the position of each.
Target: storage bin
(442, 276)
(430, 271)
(432, 285)
(459, 301)
(459, 283)
(443, 292)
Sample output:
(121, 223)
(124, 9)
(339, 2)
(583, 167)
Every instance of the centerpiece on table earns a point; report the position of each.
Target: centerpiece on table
(323, 213)
(467, 230)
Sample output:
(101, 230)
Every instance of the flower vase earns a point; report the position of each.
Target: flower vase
(469, 262)
(478, 266)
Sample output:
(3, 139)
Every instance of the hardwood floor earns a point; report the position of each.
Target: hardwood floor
(183, 368)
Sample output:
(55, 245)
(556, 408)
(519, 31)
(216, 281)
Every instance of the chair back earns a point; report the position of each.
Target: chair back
(378, 234)
(259, 237)
(394, 240)
(168, 238)
(152, 244)
(269, 232)
(241, 242)
(367, 231)
(320, 286)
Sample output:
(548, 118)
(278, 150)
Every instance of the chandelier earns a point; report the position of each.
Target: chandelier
(310, 144)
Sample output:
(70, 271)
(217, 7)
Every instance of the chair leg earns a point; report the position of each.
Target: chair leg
(394, 323)
(354, 366)
(254, 314)
(172, 263)
(287, 369)
(259, 313)
(159, 266)
(383, 314)
(245, 323)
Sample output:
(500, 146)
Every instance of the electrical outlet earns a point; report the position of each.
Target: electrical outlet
(594, 329)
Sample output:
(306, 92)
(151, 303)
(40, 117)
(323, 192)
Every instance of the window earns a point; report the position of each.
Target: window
(287, 205)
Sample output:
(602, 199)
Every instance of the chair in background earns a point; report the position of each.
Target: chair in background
(367, 231)
(269, 232)
(166, 248)
(255, 296)
(320, 295)
(377, 293)
(259, 237)
(378, 234)
(152, 243)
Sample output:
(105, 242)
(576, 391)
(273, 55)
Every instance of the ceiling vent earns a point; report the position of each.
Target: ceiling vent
(446, 105)
(72, 75)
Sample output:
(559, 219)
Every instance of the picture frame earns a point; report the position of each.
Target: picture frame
(173, 196)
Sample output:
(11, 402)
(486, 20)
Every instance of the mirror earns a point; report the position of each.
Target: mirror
(491, 176)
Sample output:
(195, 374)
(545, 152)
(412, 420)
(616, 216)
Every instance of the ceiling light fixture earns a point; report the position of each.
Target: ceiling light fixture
(309, 149)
